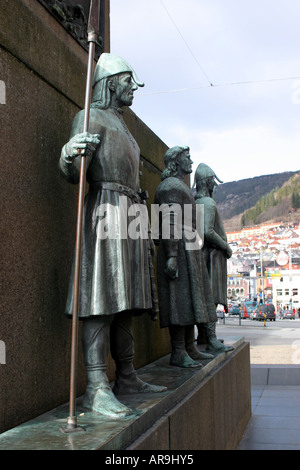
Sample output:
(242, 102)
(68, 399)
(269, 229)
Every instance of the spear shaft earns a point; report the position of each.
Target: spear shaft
(93, 31)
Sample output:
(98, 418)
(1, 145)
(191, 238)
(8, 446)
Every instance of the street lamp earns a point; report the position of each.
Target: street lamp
(262, 275)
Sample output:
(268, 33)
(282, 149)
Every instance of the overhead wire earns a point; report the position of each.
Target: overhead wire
(211, 84)
(216, 85)
(188, 47)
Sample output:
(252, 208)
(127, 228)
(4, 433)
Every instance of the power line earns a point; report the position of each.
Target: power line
(190, 50)
(211, 84)
(246, 82)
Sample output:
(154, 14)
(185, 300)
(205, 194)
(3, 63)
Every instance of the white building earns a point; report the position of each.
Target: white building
(286, 289)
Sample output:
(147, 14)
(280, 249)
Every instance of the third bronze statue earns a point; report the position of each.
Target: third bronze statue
(184, 290)
(115, 280)
(216, 250)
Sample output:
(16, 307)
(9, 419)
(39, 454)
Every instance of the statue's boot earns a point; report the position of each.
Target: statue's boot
(122, 351)
(191, 348)
(179, 355)
(213, 344)
(96, 344)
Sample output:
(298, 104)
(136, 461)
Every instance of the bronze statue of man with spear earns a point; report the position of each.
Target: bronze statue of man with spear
(115, 278)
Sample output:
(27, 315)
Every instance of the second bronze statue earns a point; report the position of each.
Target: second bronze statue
(185, 291)
(216, 251)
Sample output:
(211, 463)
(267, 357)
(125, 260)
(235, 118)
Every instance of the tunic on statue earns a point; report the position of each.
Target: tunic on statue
(215, 241)
(187, 299)
(115, 274)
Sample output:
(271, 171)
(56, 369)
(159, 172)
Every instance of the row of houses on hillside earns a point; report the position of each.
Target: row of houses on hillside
(264, 256)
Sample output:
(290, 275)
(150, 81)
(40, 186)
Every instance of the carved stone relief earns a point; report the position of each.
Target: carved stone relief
(73, 17)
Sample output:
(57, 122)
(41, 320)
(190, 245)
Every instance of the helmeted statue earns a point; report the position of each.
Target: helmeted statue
(115, 279)
(184, 291)
(216, 250)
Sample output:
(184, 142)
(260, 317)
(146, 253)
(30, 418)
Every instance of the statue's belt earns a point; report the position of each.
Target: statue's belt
(120, 188)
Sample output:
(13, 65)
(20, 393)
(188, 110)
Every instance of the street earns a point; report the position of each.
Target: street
(276, 343)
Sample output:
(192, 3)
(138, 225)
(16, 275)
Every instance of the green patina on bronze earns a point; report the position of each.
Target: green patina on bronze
(116, 278)
(216, 250)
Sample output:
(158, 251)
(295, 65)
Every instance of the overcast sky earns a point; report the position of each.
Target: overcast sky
(181, 48)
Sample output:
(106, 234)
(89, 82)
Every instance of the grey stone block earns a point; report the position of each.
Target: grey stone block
(284, 375)
(259, 375)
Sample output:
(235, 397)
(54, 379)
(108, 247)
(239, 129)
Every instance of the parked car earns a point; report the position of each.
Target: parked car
(258, 313)
(271, 312)
(263, 310)
(234, 310)
(288, 314)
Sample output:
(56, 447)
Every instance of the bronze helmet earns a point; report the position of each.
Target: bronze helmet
(203, 171)
(111, 64)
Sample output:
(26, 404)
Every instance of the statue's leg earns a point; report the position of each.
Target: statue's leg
(96, 344)
(179, 355)
(190, 346)
(202, 335)
(122, 351)
(213, 344)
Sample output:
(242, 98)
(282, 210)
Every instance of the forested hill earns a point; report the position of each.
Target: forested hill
(236, 197)
(276, 204)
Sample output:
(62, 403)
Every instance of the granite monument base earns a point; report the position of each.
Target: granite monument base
(203, 409)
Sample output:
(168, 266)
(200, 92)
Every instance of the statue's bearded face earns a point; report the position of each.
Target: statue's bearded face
(185, 162)
(124, 88)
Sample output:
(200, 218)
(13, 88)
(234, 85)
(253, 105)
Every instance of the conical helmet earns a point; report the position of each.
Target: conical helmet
(203, 171)
(111, 64)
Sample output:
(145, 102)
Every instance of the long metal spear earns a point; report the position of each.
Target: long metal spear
(93, 32)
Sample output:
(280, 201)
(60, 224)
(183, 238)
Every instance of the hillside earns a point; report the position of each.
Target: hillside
(275, 204)
(237, 196)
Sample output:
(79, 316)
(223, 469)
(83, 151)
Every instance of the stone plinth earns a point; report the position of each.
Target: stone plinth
(203, 409)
